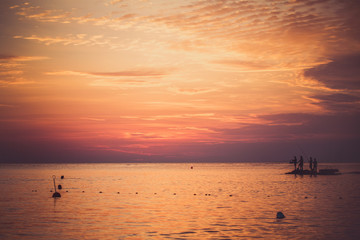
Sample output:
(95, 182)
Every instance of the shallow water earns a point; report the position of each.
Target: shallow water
(158, 201)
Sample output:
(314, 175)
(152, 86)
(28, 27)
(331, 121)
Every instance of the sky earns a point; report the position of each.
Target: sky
(179, 81)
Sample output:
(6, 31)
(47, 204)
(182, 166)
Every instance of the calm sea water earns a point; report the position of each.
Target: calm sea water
(172, 201)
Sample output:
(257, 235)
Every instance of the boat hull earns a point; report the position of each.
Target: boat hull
(321, 172)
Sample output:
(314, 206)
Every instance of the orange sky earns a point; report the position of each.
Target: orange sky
(172, 79)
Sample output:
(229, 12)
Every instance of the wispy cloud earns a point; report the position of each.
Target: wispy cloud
(71, 39)
(192, 91)
(134, 78)
(21, 58)
(12, 69)
(136, 73)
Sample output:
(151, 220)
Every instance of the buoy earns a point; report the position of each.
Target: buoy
(56, 194)
(230, 195)
(191, 167)
(118, 192)
(62, 176)
(174, 193)
(194, 194)
(83, 191)
(280, 215)
(136, 193)
(100, 192)
(59, 186)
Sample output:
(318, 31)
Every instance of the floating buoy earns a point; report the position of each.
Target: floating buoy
(194, 194)
(191, 167)
(174, 193)
(56, 195)
(59, 186)
(280, 215)
(230, 195)
(100, 192)
(83, 191)
(118, 192)
(136, 193)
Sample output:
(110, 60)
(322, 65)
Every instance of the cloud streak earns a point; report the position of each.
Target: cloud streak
(12, 69)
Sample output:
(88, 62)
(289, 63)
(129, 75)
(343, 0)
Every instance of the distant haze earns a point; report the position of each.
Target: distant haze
(179, 81)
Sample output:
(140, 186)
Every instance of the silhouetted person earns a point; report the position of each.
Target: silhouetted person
(301, 164)
(295, 162)
(315, 164)
(311, 164)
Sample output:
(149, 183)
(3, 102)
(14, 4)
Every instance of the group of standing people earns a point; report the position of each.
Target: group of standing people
(299, 165)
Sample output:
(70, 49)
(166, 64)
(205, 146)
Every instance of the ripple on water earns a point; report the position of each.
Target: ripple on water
(187, 232)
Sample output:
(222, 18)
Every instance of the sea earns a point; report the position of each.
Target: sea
(177, 201)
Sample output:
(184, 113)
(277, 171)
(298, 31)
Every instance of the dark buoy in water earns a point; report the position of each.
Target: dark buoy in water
(280, 215)
(191, 167)
(55, 194)
(62, 176)
(59, 187)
